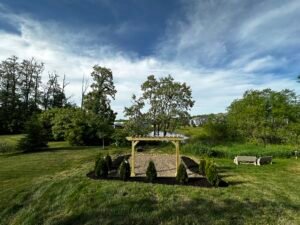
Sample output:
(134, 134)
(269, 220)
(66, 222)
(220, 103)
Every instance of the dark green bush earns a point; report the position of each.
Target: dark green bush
(151, 172)
(212, 175)
(101, 169)
(202, 164)
(207, 165)
(182, 176)
(124, 170)
(36, 137)
(108, 162)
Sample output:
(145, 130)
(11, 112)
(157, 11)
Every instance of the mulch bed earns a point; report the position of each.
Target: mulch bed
(193, 181)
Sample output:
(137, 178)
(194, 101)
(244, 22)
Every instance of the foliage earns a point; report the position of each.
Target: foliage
(36, 137)
(181, 176)
(97, 101)
(216, 129)
(124, 170)
(151, 172)
(202, 164)
(108, 162)
(198, 148)
(265, 116)
(168, 102)
(76, 126)
(53, 95)
(212, 174)
(119, 137)
(101, 169)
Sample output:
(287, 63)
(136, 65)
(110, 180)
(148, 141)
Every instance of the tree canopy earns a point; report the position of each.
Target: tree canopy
(163, 105)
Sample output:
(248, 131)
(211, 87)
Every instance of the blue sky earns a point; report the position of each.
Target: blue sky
(221, 48)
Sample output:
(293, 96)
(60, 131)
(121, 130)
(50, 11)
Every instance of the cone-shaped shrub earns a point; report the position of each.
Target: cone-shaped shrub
(151, 172)
(212, 175)
(101, 169)
(124, 170)
(108, 162)
(207, 165)
(202, 165)
(182, 176)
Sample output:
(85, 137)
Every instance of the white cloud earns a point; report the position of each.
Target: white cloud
(199, 39)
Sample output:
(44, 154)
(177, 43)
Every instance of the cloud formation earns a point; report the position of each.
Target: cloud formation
(220, 48)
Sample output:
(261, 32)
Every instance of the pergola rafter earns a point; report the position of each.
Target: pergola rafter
(136, 139)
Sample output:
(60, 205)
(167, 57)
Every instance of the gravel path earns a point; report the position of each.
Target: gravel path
(165, 165)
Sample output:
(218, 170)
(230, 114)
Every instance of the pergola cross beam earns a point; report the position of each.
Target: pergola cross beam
(136, 139)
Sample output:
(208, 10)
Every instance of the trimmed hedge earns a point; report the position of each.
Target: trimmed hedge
(124, 170)
(151, 172)
(101, 169)
(212, 174)
(202, 164)
(108, 161)
(182, 176)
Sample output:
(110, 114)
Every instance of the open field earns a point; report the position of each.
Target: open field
(51, 187)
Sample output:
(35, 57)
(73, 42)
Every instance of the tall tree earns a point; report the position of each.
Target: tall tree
(9, 95)
(167, 101)
(31, 71)
(54, 94)
(97, 101)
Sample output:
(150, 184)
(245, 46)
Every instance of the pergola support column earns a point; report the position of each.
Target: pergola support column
(133, 144)
(176, 143)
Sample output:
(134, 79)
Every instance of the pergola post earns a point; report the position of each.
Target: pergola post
(133, 144)
(176, 143)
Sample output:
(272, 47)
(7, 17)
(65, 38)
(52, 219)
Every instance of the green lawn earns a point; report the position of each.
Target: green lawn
(52, 188)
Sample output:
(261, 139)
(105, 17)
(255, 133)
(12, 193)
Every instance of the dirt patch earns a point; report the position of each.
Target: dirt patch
(165, 165)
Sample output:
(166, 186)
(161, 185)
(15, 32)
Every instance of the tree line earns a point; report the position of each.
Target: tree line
(260, 116)
(22, 93)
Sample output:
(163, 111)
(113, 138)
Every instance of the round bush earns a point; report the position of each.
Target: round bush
(202, 165)
(101, 169)
(108, 162)
(124, 170)
(212, 175)
(182, 176)
(151, 172)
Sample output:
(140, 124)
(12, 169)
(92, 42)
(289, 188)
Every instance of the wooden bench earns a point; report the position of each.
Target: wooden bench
(245, 159)
(264, 160)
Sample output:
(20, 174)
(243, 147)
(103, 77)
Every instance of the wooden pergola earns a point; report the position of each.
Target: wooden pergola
(136, 139)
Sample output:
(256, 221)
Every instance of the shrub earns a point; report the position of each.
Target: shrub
(151, 172)
(182, 176)
(207, 165)
(202, 165)
(108, 162)
(198, 148)
(101, 169)
(212, 175)
(124, 170)
(36, 136)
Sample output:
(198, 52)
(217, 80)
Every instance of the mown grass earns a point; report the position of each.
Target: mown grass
(8, 143)
(51, 187)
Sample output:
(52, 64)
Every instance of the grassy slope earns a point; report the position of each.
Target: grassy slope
(51, 188)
